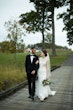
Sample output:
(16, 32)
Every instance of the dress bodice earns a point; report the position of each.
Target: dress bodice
(42, 62)
(42, 65)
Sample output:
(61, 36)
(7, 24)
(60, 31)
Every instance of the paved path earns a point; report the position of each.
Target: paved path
(63, 100)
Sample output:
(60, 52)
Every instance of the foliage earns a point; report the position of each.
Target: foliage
(48, 38)
(48, 6)
(37, 20)
(14, 31)
(14, 35)
(30, 21)
(46, 46)
(5, 46)
(10, 47)
(68, 20)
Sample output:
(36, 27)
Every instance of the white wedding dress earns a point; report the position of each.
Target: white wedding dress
(43, 91)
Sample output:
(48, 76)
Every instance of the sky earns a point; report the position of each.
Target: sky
(12, 9)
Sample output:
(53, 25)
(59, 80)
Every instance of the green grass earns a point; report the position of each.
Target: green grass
(12, 74)
(60, 58)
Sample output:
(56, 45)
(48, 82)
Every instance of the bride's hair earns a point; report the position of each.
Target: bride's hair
(45, 52)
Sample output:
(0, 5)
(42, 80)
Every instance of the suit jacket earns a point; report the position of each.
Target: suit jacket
(31, 66)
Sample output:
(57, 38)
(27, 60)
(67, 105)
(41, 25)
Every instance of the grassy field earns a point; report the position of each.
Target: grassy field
(60, 58)
(12, 74)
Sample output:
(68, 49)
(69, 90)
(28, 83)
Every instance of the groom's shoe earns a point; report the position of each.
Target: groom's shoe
(32, 98)
(29, 96)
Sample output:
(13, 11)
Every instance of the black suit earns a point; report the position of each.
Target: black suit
(30, 66)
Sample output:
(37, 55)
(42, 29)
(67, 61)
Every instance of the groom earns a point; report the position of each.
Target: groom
(31, 70)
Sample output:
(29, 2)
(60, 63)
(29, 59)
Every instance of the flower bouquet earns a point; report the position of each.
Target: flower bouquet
(46, 82)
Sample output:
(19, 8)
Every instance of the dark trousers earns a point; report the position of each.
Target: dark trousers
(31, 86)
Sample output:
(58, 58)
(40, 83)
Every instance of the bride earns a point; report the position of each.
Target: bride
(43, 73)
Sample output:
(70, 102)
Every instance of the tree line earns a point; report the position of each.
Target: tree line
(10, 47)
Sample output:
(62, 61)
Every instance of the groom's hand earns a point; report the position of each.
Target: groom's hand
(33, 72)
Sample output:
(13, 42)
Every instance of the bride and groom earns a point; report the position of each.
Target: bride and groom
(38, 67)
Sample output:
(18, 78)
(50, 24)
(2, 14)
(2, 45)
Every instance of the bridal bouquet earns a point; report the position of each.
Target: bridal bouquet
(46, 82)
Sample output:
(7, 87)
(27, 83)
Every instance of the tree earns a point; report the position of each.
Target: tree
(9, 47)
(68, 21)
(50, 7)
(43, 19)
(14, 34)
(36, 20)
(20, 47)
(48, 38)
(5, 45)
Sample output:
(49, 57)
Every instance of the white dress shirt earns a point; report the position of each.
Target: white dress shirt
(31, 57)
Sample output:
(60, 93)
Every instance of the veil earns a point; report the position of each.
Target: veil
(49, 68)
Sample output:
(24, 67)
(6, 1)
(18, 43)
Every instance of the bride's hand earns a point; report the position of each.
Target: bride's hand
(37, 62)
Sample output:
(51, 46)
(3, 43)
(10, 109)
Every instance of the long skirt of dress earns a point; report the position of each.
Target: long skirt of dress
(43, 91)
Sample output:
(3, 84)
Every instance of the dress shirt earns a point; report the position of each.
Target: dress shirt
(31, 57)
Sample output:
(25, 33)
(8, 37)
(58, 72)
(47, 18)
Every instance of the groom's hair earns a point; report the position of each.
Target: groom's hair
(33, 47)
(45, 52)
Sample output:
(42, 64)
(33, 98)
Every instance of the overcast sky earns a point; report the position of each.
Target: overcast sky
(12, 9)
